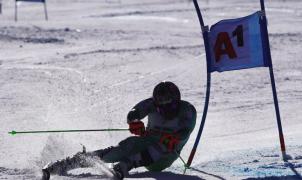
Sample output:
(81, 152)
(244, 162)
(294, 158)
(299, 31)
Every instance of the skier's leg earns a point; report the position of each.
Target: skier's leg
(162, 163)
(127, 152)
(60, 167)
(129, 146)
(153, 157)
(83, 159)
(131, 153)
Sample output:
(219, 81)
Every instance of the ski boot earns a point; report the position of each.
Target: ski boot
(45, 174)
(120, 170)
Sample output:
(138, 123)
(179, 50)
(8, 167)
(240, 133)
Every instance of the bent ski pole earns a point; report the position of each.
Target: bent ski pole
(13, 132)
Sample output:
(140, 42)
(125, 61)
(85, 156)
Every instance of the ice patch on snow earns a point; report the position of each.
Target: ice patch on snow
(264, 163)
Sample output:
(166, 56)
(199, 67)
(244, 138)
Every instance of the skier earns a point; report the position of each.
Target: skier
(156, 146)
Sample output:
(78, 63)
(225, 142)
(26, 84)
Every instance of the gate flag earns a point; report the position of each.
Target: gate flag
(235, 44)
(238, 44)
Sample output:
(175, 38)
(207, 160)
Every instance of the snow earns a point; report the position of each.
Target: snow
(94, 59)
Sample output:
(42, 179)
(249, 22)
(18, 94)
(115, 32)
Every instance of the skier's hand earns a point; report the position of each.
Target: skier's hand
(170, 141)
(133, 115)
(137, 128)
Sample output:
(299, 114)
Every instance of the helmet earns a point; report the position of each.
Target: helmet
(166, 98)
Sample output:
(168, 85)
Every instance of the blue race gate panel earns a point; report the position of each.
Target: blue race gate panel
(236, 44)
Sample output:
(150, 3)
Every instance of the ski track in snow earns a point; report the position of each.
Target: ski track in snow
(93, 60)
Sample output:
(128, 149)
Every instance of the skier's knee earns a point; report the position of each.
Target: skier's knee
(101, 152)
(145, 157)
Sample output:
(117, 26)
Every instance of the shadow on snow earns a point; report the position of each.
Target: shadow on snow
(164, 175)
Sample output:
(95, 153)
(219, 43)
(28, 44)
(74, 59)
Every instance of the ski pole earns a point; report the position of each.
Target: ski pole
(183, 161)
(13, 132)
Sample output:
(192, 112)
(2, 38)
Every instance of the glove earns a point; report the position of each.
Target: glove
(133, 115)
(137, 128)
(170, 141)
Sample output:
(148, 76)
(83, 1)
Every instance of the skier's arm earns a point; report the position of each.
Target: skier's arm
(140, 110)
(188, 123)
(176, 140)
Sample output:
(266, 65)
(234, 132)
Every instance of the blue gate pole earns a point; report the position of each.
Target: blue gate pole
(270, 64)
(205, 31)
(45, 10)
(16, 11)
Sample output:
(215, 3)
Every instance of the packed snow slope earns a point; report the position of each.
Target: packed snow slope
(93, 60)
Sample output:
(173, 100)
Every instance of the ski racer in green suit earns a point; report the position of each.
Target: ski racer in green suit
(156, 146)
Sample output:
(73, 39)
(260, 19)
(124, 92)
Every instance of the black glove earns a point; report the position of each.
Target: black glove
(133, 115)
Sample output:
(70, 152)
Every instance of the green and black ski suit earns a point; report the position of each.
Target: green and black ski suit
(138, 151)
(147, 150)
